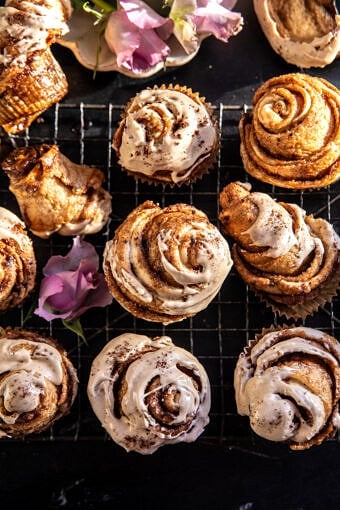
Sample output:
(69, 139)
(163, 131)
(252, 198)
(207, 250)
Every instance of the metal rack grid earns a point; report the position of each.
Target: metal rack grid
(216, 335)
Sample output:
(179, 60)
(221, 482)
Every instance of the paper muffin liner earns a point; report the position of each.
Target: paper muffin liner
(257, 337)
(311, 302)
(204, 167)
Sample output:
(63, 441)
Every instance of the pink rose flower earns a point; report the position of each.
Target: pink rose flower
(72, 284)
(211, 17)
(136, 34)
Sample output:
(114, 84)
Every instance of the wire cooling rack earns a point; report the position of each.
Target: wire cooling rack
(216, 335)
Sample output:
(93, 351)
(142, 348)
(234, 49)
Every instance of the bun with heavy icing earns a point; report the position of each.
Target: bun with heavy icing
(291, 260)
(288, 382)
(148, 392)
(17, 261)
(31, 80)
(306, 34)
(292, 136)
(167, 135)
(38, 383)
(56, 195)
(165, 265)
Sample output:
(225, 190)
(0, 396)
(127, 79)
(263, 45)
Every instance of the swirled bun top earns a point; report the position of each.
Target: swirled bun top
(292, 137)
(164, 265)
(167, 135)
(290, 259)
(38, 383)
(288, 383)
(148, 392)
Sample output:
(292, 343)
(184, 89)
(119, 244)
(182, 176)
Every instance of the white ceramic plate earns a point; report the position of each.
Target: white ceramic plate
(82, 40)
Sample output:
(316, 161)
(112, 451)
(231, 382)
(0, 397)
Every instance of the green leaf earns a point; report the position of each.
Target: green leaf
(78, 4)
(75, 326)
(105, 6)
(30, 311)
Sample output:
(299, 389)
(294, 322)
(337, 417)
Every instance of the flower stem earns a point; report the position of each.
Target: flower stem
(103, 6)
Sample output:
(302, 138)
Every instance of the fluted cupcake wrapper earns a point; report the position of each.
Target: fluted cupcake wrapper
(311, 302)
(39, 85)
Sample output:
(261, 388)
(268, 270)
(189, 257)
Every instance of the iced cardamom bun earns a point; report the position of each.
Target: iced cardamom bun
(148, 392)
(30, 26)
(165, 265)
(17, 261)
(167, 135)
(38, 383)
(289, 258)
(56, 195)
(288, 382)
(291, 138)
(31, 79)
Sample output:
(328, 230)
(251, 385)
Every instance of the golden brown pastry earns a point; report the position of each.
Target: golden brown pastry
(56, 195)
(31, 80)
(38, 383)
(291, 260)
(148, 393)
(17, 261)
(288, 382)
(165, 265)
(292, 137)
(304, 33)
(167, 135)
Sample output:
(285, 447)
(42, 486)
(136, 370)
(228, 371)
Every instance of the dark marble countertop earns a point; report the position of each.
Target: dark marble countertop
(95, 474)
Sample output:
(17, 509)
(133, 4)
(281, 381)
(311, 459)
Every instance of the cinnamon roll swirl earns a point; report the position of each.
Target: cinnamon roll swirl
(31, 80)
(290, 259)
(56, 195)
(167, 135)
(148, 393)
(38, 383)
(17, 261)
(288, 383)
(165, 265)
(292, 137)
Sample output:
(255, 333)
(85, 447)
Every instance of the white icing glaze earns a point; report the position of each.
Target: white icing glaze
(272, 395)
(185, 134)
(28, 30)
(274, 228)
(21, 392)
(137, 429)
(8, 222)
(73, 229)
(28, 364)
(270, 398)
(195, 289)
